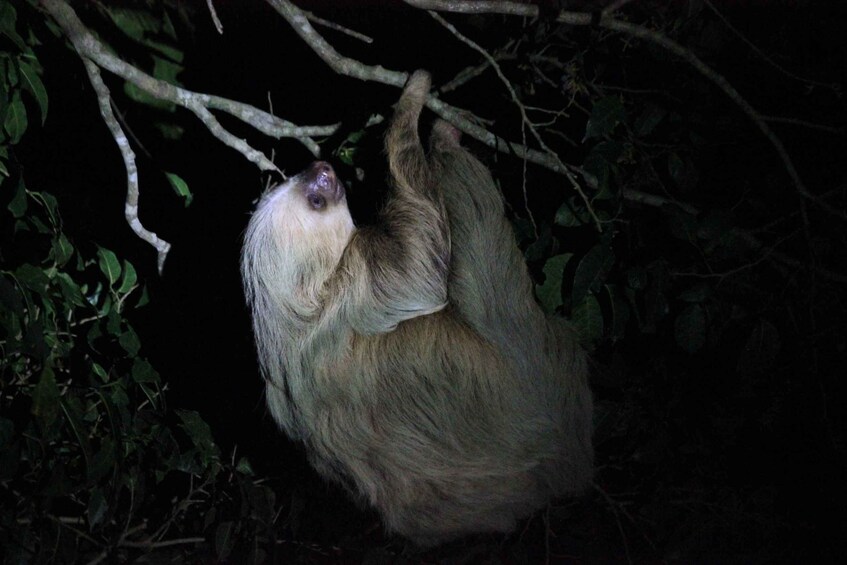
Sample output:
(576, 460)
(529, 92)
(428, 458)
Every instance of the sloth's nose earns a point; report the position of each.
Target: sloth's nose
(321, 175)
(324, 174)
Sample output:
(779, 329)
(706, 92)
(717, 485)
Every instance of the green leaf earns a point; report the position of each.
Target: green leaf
(109, 264)
(61, 250)
(587, 319)
(690, 328)
(166, 49)
(355, 136)
(18, 204)
(181, 188)
(550, 293)
(11, 299)
(223, 540)
(129, 278)
(145, 298)
(15, 123)
(166, 70)
(72, 408)
(648, 120)
(98, 370)
(130, 342)
(8, 16)
(198, 430)
(591, 272)
(96, 507)
(119, 397)
(143, 372)
(347, 155)
(45, 399)
(113, 317)
(94, 333)
(243, 466)
(103, 461)
(607, 113)
(70, 290)
(32, 83)
(48, 201)
(135, 23)
(571, 214)
(32, 278)
(538, 249)
(8, 19)
(169, 131)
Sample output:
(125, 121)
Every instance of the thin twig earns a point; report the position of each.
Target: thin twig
(339, 28)
(804, 123)
(215, 19)
(468, 73)
(477, 7)
(160, 544)
(132, 190)
(764, 56)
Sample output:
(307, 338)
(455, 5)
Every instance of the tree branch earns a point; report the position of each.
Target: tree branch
(90, 47)
(482, 7)
(356, 69)
(608, 22)
(132, 190)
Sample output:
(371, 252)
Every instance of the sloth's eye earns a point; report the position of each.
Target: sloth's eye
(316, 201)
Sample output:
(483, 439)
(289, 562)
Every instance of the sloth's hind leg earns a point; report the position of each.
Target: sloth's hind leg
(488, 284)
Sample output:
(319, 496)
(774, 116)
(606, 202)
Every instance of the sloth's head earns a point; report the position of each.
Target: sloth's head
(299, 231)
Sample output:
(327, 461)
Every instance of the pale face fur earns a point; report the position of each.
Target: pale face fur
(299, 232)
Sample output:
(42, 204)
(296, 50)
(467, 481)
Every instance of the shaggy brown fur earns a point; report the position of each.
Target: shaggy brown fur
(418, 372)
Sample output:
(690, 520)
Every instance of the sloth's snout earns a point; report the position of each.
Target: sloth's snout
(320, 176)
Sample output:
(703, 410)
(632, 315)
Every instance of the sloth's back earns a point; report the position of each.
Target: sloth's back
(448, 434)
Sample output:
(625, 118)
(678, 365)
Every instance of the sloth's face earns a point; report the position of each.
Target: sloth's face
(310, 210)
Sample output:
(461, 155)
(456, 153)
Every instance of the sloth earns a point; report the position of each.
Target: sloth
(411, 358)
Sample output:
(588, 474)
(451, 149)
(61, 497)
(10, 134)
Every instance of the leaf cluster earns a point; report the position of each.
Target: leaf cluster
(94, 464)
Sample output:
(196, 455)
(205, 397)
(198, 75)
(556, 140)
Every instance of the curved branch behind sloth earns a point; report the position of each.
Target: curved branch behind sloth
(420, 374)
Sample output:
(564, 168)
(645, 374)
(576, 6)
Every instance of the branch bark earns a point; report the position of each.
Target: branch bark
(131, 207)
